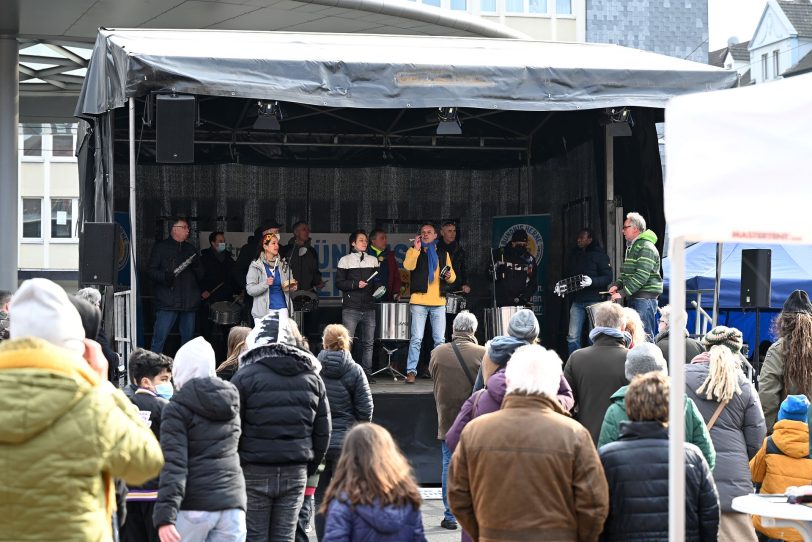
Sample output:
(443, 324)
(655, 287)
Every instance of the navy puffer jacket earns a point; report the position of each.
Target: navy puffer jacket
(348, 394)
(367, 523)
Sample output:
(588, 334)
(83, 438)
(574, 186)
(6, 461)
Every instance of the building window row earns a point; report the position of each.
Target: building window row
(42, 140)
(61, 223)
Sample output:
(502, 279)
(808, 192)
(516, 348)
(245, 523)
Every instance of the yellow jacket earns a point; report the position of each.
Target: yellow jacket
(778, 471)
(432, 297)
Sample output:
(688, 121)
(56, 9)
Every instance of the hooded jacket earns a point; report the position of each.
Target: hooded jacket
(181, 293)
(256, 286)
(695, 430)
(347, 392)
(640, 270)
(771, 389)
(367, 523)
(283, 407)
(636, 468)
(200, 432)
(482, 402)
(64, 435)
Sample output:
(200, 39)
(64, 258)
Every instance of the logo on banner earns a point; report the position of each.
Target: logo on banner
(535, 242)
(122, 249)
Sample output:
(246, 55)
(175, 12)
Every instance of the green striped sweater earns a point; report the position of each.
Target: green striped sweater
(640, 271)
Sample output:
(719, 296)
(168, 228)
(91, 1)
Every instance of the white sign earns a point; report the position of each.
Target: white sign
(61, 218)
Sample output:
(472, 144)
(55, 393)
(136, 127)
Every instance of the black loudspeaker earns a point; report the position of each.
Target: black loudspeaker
(99, 253)
(175, 129)
(756, 274)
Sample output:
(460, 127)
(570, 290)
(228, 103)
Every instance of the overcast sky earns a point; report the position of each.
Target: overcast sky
(732, 18)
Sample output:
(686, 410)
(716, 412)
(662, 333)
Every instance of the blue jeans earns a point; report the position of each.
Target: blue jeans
(647, 309)
(165, 321)
(350, 318)
(577, 320)
(419, 313)
(205, 526)
(446, 460)
(275, 496)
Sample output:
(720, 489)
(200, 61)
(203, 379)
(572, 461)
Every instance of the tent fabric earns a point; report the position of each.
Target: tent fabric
(736, 163)
(791, 269)
(382, 71)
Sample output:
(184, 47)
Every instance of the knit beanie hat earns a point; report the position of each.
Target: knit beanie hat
(524, 325)
(794, 407)
(519, 236)
(194, 359)
(724, 336)
(798, 302)
(90, 315)
(42, 309)
(644, 358)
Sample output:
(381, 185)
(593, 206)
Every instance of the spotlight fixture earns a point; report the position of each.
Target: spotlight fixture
(448, 121)
(268, 116)
(619, 122)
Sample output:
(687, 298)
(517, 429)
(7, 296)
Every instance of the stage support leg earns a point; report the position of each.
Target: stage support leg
(9, 184)
(611, 210)
(676, 408)
(133, 233)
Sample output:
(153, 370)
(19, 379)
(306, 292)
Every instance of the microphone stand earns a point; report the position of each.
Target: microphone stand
(493, 276)
(289, 299)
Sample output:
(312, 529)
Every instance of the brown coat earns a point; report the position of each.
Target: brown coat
(528, 472)
(451, 386)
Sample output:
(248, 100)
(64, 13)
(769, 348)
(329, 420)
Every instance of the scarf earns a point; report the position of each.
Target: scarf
(611, 332)
(434, 259)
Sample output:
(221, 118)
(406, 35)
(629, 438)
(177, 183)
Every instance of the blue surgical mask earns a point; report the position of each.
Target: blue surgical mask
(164, 390)
(221, 247)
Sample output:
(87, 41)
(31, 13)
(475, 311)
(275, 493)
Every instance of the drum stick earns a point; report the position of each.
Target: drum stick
(215, 288)
(371, 276)
(604, 293)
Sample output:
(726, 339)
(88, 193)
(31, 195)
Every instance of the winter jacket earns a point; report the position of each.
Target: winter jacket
(150, 406)
(636, 468)
(200, 432)
(256, 285)
(347, 392)
(516, 281)
(181, 293)
(305, 267)
(64, 436)
(457, 254)
(771, 389)
(366, 523)
(594, 263)
(218, 272)
(388, 273)
(424, 291)
(782, 461)
(492, 488)
(352, 268)
(595, 373)
(737, 433)
(451, 385)
(640, 270)
(692, 347)
(482, 402)
(283, 407)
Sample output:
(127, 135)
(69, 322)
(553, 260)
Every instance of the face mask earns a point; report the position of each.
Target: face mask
(164, 390)
(221, 247)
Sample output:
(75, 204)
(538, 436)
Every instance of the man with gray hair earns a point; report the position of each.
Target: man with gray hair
(692, 347)
(530, 434)
(453, 367)
(645, 358)
(640, 281)
(595, 372)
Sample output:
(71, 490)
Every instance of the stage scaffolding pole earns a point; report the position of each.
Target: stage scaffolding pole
(717, 285)
(133, 235)
(676, 403)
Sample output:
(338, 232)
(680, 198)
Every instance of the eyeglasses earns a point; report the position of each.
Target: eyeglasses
(183, 227)
(627, 227)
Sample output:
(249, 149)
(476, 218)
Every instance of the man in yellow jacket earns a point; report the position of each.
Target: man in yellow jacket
(65, 432)
(429, 265)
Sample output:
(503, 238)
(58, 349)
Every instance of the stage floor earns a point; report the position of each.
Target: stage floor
(385, 385)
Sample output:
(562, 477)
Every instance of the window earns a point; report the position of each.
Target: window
(61, 218)
(32, 218)
(32, 140)
(514, 6)
(764, 67)
(538, 6)
(563, 7)
(459, 5)
(62, 145)
(776, 64)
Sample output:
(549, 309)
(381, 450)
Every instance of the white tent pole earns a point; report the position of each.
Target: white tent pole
(717, 285)
(676, 404)
(133, 229)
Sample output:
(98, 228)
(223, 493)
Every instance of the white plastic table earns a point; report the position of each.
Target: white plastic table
(777, 512)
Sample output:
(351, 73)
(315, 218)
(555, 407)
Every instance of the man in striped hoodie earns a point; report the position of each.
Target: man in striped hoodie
(640, 280)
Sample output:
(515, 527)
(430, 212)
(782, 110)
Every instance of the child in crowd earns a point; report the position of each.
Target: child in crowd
(236, 346)
(153, 373)
(373, 495)
(784, 459)
(202, 490)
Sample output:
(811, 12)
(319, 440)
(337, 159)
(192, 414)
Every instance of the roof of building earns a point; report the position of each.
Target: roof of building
(739, 51)
(717, 58)
(803, 66)
(799, 13)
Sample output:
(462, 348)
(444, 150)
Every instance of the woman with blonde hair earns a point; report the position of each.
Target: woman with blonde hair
(373, 495)
(732, 411)
(236, 345)
(634, 326)
(349, 396)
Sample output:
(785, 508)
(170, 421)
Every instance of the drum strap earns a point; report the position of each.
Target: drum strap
(462, 363)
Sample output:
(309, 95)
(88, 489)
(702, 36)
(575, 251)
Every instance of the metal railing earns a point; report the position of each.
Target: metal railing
(703, 321)
(123, 332)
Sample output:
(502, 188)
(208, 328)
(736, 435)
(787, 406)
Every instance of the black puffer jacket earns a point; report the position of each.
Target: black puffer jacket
(594, 263)
(283, 406)
(200, 432)
(352, 268)
(636, 468)
(348, 393)
(181, 293)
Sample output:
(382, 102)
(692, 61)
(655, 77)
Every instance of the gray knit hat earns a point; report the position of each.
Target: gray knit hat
(644, 358)
(724, 336)
(524, 325)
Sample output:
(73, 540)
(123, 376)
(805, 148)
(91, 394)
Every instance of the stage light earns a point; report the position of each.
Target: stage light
(619, 122)
(268, 116)
(448, 121)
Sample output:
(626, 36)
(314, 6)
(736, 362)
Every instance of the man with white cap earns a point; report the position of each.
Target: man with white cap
(65, 432)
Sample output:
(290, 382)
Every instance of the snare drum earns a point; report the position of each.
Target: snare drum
(392, 321)
(497, 320)
(454, 303)
(225, 313)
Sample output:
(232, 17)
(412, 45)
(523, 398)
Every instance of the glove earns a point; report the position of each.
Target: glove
(586, 282)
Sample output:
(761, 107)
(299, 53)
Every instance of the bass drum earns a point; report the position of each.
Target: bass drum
(392, 321)
(497, 320)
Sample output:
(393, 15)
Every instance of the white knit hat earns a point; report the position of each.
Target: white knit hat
(41, 308)
(195, 359)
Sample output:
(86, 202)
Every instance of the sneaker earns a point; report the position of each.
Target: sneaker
(449, 524)
(410, 378)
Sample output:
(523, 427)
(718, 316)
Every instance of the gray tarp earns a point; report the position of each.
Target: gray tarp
(366, 71)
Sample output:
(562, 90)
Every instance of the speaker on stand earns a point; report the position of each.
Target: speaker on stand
(99, 256)
(175, 118)
(756, 289)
